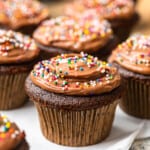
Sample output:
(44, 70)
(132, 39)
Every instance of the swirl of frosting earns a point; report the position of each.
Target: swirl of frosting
(16, 47)
(10, 135)
(75, 74)
(107, 9)
(22, 12)
(134, 54)
(87, 34)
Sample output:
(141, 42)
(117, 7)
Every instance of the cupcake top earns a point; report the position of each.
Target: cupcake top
(16, 47)
(18, 13)
(10, 134)
(107, 9)
(75, 74)
(134, 54)
(64, 32)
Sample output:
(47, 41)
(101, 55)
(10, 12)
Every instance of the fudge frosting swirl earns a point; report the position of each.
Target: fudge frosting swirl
(75, 74)
(10, 134)
(16, 47)
(87, 34)
(17, 13)
(107, 9)
(134, 54)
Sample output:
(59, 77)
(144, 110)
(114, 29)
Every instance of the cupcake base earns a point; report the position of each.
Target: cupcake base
(12, 79)
(12, 90)
(122, 28)
(102, 53)
(136, 100)
(74, 120)
(76, 128)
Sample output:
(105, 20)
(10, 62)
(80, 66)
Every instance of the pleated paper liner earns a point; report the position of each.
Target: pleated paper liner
(76, 128)
(12, 93)
(136, 100)
(122, 28)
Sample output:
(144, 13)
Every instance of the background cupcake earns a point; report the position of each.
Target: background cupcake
(121, 14)
(22, 15)
(18, 53)
(75, 96)
(66, 35)
(10, 136)
(132, 58)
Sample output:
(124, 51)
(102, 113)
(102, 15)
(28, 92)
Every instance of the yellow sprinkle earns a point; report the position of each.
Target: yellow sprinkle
(8, 124)
(104, 63)
(86, 31)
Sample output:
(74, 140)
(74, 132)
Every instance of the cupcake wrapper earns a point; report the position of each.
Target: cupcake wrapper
(136, 100)
(12, 93)
(76, 128)
(124, 29)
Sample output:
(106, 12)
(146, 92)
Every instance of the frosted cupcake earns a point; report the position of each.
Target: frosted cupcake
(132, 58)
(11, 137)
(22, 15)
(18, 54)
(66, 35)
(75, 96)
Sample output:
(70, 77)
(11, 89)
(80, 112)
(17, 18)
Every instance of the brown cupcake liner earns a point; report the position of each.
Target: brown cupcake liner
(123, 28)
(76, 128)
(12, 93)
(136, 100)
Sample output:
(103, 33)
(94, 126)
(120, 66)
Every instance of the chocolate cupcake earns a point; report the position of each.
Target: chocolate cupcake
(11, 138)
(66, 35)
(121, 14)
(18, 54)
(22, 15)
(75, 96)
(132, 58)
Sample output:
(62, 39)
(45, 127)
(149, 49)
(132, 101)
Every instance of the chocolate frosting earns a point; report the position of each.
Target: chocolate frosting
(134, 54)
(10, 134)
(75, 74)
(107, 9)
(74, 34)
(16, 47)
(18, 13)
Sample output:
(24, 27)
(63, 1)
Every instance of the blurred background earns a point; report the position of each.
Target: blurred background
(143, 7)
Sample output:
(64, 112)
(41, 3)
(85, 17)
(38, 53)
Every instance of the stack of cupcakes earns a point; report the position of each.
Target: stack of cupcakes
(121, 14)
(74, 92)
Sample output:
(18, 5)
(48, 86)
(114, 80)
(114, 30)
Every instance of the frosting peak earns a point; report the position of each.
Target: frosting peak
(75, 74)
(16, 47)
(134, 54)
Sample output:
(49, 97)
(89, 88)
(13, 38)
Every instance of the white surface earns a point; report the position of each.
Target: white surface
(125, 129)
